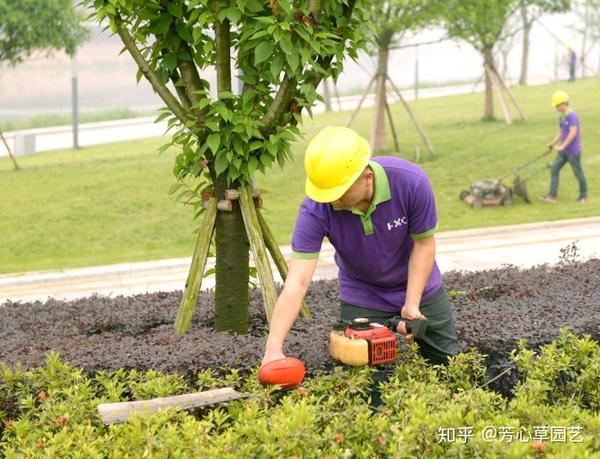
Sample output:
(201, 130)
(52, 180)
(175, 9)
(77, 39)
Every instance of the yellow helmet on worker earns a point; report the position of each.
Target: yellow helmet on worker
(334, 159)
(559, 97)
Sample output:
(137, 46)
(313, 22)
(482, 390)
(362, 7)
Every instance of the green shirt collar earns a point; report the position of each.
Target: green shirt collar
(382, 189)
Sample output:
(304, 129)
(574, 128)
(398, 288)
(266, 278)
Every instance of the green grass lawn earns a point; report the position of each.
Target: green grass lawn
(109, 204)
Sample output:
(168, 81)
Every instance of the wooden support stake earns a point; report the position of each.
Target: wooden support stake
(225, 205)
(112, 413)
(498, 91)
(277, 256)
(412, 117)
(207, 193)
(510, 95)
(362, 99)
(392, 127)
(194, 279)
(257, 244)
(232, 194)
(10, 153)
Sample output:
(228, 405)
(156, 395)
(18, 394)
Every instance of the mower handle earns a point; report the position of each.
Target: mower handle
(523, 166)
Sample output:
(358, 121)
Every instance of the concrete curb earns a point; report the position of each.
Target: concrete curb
(473, 249)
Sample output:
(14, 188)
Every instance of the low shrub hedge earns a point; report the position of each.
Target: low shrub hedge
(426, 411)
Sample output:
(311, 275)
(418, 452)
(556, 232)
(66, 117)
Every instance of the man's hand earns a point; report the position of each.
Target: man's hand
(411, 312)
(401, 328)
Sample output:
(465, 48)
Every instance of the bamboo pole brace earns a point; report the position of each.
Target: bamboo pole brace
(278, 257)
(522, 113)
(362, 99)
(261, 259)
(10, 153)
(194, 279)
(498, 91)
(412, 117)
(392, 127)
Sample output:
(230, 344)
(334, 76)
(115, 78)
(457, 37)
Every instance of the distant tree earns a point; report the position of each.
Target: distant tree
(530, 11)
(282, 49)
(482, 24)
(28, 26)
(588, 26)
(390, 20)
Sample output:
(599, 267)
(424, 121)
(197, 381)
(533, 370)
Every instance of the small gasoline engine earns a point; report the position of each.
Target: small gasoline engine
(361, 342)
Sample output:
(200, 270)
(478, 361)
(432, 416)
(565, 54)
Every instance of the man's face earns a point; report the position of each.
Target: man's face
(562, 108)
(356, 193)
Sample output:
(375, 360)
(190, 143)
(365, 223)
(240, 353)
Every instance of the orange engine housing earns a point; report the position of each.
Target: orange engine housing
(381, 342)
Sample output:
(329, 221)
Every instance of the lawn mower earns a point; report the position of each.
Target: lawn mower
(493, 192)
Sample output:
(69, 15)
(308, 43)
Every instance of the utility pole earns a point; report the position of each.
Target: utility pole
(416, 72)
(75, 103)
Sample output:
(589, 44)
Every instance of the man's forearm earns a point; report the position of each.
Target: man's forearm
(420, 265)
(285, 313)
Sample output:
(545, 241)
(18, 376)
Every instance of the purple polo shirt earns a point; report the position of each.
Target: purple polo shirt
(372, 249)
(565, 122)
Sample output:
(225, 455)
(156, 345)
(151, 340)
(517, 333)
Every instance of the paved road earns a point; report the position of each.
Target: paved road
(477, 249)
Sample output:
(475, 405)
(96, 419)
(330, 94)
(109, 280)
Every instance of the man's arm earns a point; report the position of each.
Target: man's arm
(554, 140)
(420, 265)
(570, 136)
(288, 306)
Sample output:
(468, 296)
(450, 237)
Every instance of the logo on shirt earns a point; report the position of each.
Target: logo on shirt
(397, 223)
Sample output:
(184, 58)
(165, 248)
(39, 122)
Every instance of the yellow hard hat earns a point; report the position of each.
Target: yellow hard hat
(334, 159)
(559, 97)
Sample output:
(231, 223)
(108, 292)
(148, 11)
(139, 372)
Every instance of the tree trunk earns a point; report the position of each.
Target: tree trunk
(525, 53)
(231, 276)
(582, 58)
(378, 129)
(488, 58)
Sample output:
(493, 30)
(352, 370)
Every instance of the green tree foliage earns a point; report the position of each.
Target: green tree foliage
(39, 25)
(281, 50)
(482, 24)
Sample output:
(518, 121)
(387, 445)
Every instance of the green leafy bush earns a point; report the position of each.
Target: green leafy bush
(426, 411)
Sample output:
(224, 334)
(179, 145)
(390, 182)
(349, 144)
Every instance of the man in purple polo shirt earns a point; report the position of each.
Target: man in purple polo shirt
(568, 139)
(380, 216)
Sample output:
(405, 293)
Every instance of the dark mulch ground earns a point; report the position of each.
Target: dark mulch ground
(494, 309)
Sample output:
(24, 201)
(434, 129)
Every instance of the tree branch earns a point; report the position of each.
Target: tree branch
(161, 89)
(193, 84)
(223, 52)
(325, 62)
(281, 102)
(287, 89)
